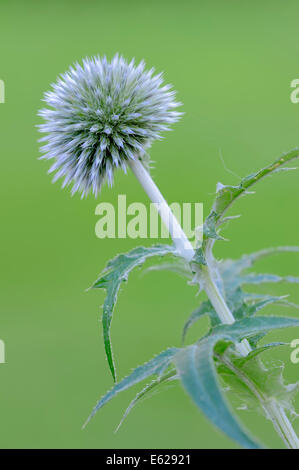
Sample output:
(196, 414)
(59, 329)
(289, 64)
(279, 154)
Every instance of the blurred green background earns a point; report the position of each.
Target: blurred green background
(232, 63)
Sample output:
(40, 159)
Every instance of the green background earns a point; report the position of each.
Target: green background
(232, 63)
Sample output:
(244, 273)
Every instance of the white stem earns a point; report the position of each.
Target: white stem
(276, 413)
(180, 240)
(282, 425)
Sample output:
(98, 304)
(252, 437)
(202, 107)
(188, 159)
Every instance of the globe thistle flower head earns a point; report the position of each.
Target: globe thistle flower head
(101, 115)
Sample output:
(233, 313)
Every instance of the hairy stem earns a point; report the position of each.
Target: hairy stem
(275, 412)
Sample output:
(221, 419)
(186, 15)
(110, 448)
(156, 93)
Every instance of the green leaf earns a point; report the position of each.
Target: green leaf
(256, 352)
(197, 371)
(226, 195)
(244, 304)
(199, 257)
(205, 308)
(256, 385)
(248, 310)
(146, 391)
(252, 384)
(230, 269)
(252, 326)
(209, 227)
(178, 266)
(116, 272)
(154, 367)
(262, 278)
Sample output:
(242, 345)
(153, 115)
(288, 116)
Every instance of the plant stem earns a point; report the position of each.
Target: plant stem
(270, 407)
(220, 305)
(275, 412)
(283, 425)
(180, 240)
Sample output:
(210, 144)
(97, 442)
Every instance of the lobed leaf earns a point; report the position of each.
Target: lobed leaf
(205, 308)
(252, 326)
(231, 269)
(116, 272)
(257, 385)
(179, 266)
(197, 371)
(153, 367)
(227, 195)
(149, 388)
(248, 310)
(240, 362)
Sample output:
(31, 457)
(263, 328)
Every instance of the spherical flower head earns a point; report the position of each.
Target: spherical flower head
(102, 115)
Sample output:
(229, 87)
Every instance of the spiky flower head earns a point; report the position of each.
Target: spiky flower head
(102, 115)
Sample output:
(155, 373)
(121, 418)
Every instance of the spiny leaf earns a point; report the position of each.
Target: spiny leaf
(153, 367)
(248, 310)
(255, 339)
(266, 383)
(116, 272)
(209, 227)
(231, 273)
(242, 304)
(253, 384)
(226, 195)
(243, 396)
(261, 278)
(199, 257)
(251, 326)
(205, 308)
(197, 371)
(178, 266)
(241, 361)
(230, 269)
(152, 386)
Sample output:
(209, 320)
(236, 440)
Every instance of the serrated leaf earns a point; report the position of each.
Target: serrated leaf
(267, 384)
(197, 371)
(209, 227)
(178, 267)
(116, 272)
(248, 310)
(149, 388)
(231, 272)
(205, 308)
(252, 326)
(239, 362)
(150, 368)
(199, 257)
(264, 278)
(230, 269)
(226, 195)
(254, 385)
(243, 304)
(255, 339)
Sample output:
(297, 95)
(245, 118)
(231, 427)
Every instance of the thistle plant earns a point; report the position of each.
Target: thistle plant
(102, 116)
